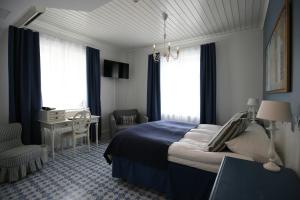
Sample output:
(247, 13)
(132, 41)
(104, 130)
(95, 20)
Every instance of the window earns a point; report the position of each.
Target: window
(63, 73)
(180, 86)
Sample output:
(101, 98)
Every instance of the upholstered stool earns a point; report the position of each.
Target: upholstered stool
(16, 159)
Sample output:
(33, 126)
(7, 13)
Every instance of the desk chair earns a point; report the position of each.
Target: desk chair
(80, 128)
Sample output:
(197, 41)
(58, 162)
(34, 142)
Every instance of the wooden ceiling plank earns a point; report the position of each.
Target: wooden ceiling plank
(214, 13)
(185, 7)
(173, 16)
(173, 7)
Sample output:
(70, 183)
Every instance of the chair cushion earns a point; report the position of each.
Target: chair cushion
(119, 113)
(121, 127)
(20, 155)
(128, 119)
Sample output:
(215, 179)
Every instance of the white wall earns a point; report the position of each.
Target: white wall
(108, 90)
(239, 72)
(4, 77)
(239, 75)
(132, 93)
(287, 143)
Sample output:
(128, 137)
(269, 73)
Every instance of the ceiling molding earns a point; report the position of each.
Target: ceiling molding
(198, 40)
(67, 35)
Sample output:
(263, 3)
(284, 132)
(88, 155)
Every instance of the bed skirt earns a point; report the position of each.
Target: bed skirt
(177, 182)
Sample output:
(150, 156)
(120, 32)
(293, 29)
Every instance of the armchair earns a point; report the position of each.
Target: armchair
(16, 159)
(115, 120)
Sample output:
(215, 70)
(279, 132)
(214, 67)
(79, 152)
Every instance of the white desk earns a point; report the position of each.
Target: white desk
(53, 126)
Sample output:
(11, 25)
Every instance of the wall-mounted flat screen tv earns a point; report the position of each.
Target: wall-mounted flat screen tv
(116, 69)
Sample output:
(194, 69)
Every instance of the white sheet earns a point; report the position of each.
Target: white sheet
(192, 150)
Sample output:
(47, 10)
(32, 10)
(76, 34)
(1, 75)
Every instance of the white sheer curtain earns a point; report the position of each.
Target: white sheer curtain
(63, 73)
(180, 86)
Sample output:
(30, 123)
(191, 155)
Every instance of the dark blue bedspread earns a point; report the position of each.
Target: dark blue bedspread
(147, 143)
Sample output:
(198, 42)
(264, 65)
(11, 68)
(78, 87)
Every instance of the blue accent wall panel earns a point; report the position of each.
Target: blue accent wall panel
(274, 9)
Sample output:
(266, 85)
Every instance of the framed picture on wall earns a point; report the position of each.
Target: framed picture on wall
(277, 55)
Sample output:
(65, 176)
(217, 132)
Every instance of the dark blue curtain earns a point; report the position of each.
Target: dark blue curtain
(153, 90)
(25, 82)
(94, 84)
(208, 84)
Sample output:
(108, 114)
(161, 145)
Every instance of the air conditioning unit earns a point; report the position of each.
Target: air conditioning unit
(33, 13)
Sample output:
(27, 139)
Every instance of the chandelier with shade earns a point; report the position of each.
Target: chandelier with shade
(167, 51)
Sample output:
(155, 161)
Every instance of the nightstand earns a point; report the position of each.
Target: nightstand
(246, 180)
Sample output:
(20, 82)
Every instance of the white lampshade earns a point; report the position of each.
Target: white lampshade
(252, 102)
(274, 111)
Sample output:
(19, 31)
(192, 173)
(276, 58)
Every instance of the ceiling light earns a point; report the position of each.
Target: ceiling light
(167, 52)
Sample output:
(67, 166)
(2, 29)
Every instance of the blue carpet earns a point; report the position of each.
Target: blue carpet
(84, 176)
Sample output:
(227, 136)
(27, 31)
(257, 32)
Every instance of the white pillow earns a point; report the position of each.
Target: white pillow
(254, 143)
(211, 127)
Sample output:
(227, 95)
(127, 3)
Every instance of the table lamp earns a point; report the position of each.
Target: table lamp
(252, 103)
(273, 111)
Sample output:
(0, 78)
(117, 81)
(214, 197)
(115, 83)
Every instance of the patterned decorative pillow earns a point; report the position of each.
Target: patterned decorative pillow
(233, 128)
(128, 119)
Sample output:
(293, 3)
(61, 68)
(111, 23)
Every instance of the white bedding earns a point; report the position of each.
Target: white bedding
(192, 150)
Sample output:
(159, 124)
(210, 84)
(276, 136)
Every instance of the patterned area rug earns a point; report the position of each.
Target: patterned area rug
(84, 176)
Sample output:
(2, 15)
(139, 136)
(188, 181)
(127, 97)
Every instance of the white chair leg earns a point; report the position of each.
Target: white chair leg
(74, 145)
(88, 140)
(62, 144)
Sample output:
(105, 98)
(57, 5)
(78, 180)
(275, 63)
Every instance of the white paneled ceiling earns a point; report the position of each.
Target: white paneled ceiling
(130, 24)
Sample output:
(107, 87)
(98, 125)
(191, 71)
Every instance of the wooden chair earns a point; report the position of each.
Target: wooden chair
(80, 128)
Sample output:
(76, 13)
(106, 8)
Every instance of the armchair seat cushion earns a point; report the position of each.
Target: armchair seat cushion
(16, 162)
(19, 155)
(128, 119)
(121, 127)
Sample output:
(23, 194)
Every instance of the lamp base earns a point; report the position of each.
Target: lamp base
(271, 166)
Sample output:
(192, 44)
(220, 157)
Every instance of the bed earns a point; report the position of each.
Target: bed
(167, 156)
(192, 150)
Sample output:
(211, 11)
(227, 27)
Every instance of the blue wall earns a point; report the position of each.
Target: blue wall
(274, 9)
